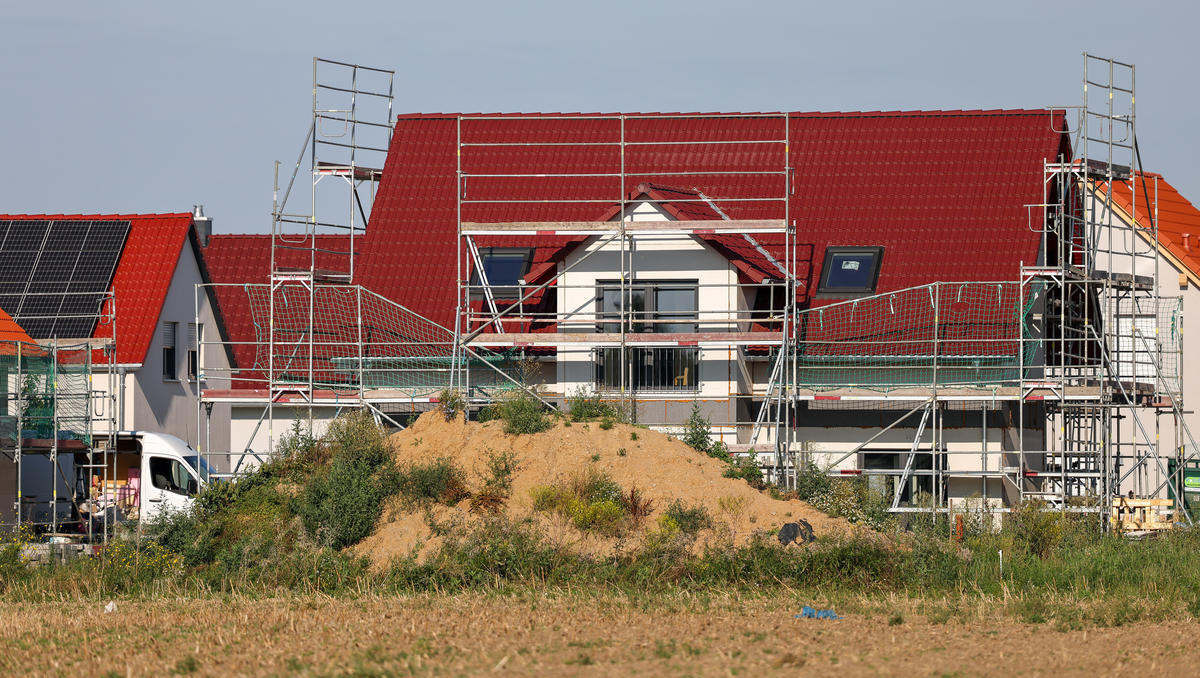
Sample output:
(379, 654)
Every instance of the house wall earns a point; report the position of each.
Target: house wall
(1173, 282)
(154, 403)
(657, 258)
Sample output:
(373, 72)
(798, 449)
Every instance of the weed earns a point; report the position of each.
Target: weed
(664, 650)
(633, 435)
(596, 457)
(439, 481)
(187, 665)
(584, 406)
(522, 413)
(450, 403)
(895, 619)
(606, 424)
(689, 519)
(621, 452)
(636, 505)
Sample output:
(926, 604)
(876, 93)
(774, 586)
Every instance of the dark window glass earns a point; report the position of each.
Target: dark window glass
(651, 307)
(653, 369)
(504, 268)
(172, 476)
(852, 270)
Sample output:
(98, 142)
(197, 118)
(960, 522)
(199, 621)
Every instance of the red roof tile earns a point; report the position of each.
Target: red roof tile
(237, 260)
(944, 192)
(10, 332)
(142, 278)
(1178, 218)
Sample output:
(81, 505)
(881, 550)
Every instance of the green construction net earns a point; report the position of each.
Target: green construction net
(948, 334)
(47, 392)
(346, 337)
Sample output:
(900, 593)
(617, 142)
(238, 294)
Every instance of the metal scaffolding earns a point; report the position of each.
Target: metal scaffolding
(1057, 384)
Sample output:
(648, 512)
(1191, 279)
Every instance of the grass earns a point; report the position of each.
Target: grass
(284, 528)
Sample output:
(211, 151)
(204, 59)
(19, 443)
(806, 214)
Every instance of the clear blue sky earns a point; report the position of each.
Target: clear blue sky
(151, 106)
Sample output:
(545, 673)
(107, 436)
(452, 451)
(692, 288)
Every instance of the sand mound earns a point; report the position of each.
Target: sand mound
(662, 468)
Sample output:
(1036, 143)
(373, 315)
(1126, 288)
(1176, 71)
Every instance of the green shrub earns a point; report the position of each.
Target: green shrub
(689, 519)
(584, 406)
(603, 516)
(697, 432)
(438, 481)
(746, 468)
(339, 506)
(1038, 530)
(522, 413)
(450, 403)
(593, 485)
(812, 481)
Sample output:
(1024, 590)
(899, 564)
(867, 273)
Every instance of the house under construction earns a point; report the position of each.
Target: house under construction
(948, 303)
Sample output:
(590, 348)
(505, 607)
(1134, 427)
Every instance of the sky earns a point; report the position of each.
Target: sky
(157, 106)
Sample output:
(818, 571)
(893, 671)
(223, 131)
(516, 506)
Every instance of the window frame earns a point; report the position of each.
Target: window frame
(609, 321)
(170, 355)
(505, 292)
(195, 330)
(824, 290)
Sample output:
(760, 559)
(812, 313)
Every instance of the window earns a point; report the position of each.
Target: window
(661, 307)
(172, 476)
(504, 267)
(850, 271)
(653, 369)
(195, 332)
(170, 370)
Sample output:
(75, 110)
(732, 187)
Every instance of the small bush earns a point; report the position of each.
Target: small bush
(1037, 530)
(603, 516)
(593, 485)
(636, 505)
(497, 483)
(522, 413)
(450, 403)
(584, 406)
(690, 519)
(439, 481)
(606, 424)
(812, 481)
(697, 432)
(747, 469)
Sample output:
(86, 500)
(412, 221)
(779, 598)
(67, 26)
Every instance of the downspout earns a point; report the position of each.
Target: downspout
(121, 400)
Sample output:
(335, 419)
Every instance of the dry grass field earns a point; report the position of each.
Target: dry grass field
(570, 634)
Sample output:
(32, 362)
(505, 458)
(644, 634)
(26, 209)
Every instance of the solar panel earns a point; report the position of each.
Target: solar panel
(54, 273)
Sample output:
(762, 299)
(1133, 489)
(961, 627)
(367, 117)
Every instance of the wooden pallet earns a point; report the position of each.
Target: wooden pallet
(1142, 515)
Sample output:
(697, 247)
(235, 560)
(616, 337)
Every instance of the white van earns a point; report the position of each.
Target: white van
(147, 475)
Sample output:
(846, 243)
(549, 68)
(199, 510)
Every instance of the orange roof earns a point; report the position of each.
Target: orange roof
(10, 331)
(1178, 219)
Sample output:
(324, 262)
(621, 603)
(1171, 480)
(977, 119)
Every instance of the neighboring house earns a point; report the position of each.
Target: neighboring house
(145, 268)
(1175, 265)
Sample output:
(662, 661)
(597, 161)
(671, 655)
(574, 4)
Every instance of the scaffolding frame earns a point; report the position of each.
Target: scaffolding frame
(1060, 371)
(53, 406)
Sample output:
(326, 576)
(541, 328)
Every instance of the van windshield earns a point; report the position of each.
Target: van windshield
(202, 468)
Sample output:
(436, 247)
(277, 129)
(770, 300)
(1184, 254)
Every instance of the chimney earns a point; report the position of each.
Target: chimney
(202, 223)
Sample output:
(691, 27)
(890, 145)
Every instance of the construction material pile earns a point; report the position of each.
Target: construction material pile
(655, 482)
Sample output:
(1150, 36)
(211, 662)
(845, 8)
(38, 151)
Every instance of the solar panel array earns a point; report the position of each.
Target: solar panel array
(54, 273)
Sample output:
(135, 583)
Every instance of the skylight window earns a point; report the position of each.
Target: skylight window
(504, 268)
(850, 271)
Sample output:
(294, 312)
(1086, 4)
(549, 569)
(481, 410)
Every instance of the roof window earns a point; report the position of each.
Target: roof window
(504, 268)
(850, 271)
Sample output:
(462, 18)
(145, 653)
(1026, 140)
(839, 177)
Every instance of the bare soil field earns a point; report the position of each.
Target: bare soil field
(571, 634)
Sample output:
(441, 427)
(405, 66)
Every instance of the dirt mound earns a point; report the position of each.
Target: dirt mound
(662, 469)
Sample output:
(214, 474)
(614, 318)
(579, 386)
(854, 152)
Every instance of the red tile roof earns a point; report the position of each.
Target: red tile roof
(1178, 218)
(10, 332)
(142, 278)
(944, 192)
(237, 260)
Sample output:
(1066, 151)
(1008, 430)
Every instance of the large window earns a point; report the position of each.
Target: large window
(649, 369)
(850, 271)
(504, 268)
(660, 306)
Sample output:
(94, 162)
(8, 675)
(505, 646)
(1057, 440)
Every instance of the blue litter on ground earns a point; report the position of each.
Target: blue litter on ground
(807, 612)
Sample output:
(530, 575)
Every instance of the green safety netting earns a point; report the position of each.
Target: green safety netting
(47, 392)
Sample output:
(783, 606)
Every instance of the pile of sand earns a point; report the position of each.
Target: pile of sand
(662, 469)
